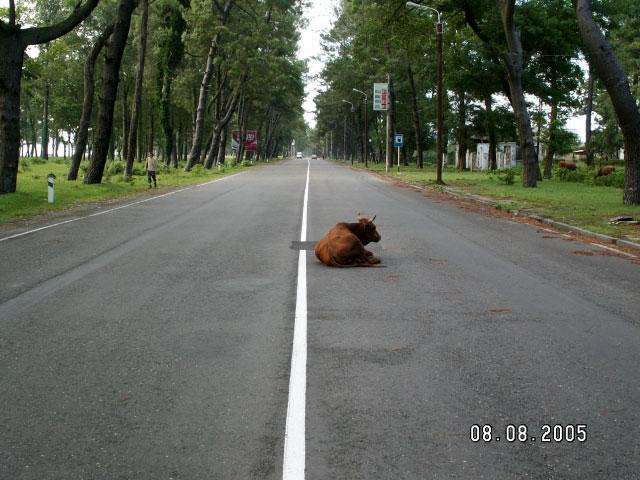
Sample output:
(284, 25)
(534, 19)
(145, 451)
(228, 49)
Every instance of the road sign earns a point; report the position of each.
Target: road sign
(380, 97)
(251, 141)
(398, 140)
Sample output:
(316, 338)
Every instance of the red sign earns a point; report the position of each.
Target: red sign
(250, 140)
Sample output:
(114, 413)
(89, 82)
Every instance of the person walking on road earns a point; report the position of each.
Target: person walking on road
(151, 165)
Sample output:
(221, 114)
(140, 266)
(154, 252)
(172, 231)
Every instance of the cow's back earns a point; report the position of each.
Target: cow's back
(335, 248)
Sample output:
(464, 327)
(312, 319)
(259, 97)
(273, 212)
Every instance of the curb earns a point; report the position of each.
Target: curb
(490, 202)
(559, 225)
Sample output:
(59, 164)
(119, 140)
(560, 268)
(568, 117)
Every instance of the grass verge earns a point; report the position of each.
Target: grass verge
(30, 197)
(580, 204)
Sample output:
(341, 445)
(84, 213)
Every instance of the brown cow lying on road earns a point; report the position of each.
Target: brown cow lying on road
(343, 245)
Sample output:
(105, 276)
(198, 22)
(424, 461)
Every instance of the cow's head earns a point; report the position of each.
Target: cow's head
(370, 234)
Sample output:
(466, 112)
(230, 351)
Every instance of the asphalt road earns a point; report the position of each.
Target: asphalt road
(154, 341)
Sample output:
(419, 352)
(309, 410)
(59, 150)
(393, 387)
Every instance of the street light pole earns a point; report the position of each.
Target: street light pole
(344, 145)
(440, 89)
(366, 128)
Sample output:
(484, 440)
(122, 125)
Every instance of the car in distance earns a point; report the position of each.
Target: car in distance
(299, 155)
(314, 156)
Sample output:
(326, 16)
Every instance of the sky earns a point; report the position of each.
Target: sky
(319, 15)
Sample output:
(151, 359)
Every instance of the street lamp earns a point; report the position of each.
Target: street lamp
(366, 129)
(440, 101)
(344, 144)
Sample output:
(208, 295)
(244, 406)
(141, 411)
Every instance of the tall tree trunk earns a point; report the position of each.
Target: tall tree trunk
(196, 144)
(165, 117)
(415, 117)
(87, 103)
(512, 61)
(222, 147)
(461, 130)
(229, 109)
(44, 147)
(491, 132)
(125, 121)
(605, 64)
(109, 91)
(551, 146)
(11, 58)
(137, 95)
(588, 112)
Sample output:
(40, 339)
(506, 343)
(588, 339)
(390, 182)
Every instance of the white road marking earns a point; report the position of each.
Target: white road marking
(614, 250)
(294, 439)
(102, 212)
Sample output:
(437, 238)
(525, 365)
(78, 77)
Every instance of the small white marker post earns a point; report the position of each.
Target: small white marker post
(50, 183)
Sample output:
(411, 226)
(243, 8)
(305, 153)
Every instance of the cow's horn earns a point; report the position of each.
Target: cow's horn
(374, 217)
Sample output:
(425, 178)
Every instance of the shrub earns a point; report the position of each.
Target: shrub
(573, 176)
(614, 179)
(115, 168)
(25, 165)
(198, 170)
(506, 176)
(139, 170)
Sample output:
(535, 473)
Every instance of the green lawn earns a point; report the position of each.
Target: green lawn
(581, 204)
(30, 197)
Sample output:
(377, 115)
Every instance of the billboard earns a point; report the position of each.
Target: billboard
(250, 140)
(381, 97)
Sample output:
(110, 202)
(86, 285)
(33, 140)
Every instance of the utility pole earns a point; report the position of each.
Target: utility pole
(365, 132)
(331, 148)
(353, 109)
(440, 123)
(344, 141)
(389, 158)
(440, 86)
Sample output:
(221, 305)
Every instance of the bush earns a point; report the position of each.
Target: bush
(25, 165)
(139, 170)
(115, 168)
(615, 179)
(506, 176)
(198, 170)
(38, 161)
(573, 176)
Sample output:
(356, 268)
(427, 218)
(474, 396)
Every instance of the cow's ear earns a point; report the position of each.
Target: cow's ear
(363, 221)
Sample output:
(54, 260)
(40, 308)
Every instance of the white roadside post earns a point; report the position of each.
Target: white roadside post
(50, 184)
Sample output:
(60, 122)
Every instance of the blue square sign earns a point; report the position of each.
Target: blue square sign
(398, 140)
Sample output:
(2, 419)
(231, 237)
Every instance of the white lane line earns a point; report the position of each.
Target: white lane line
(294, 439)
(102, 212)
(614, 250)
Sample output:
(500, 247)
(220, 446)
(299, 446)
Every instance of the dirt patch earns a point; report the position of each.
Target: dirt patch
(584, 253)
(500, 310)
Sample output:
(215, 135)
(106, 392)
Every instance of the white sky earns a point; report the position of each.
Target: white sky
(320, 16)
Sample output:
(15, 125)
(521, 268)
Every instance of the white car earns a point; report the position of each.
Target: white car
(299, 155)
(314, 157)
